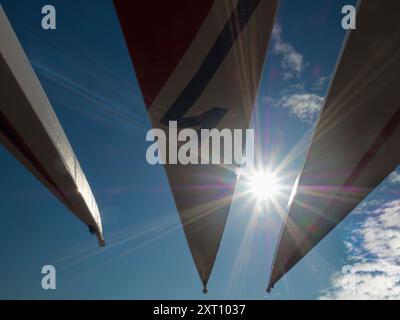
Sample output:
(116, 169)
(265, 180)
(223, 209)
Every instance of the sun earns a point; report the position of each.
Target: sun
(263, 185)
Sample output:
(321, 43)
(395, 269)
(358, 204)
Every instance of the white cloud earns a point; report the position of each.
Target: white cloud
(301, 105)
(295, 88)
(367, 206)
(292, 61)
(320, 83)
(294, 98)
(394, 178)
(375, 269)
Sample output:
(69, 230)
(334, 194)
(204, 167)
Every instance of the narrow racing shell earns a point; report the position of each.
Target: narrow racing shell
(356, 143)
(198, 64)
(30, 130)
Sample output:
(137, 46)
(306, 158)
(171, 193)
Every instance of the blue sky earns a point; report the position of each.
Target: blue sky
(85, 69)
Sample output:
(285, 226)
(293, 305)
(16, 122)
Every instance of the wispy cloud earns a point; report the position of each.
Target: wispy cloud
(292, 62)
(298, 101)
(374, 272)
(367, 207)
(320, 83)
(394, 178)
(304, 106)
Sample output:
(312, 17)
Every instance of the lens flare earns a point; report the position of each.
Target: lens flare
(263, 185)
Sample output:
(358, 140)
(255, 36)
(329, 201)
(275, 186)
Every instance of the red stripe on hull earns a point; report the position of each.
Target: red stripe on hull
(157, 34)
